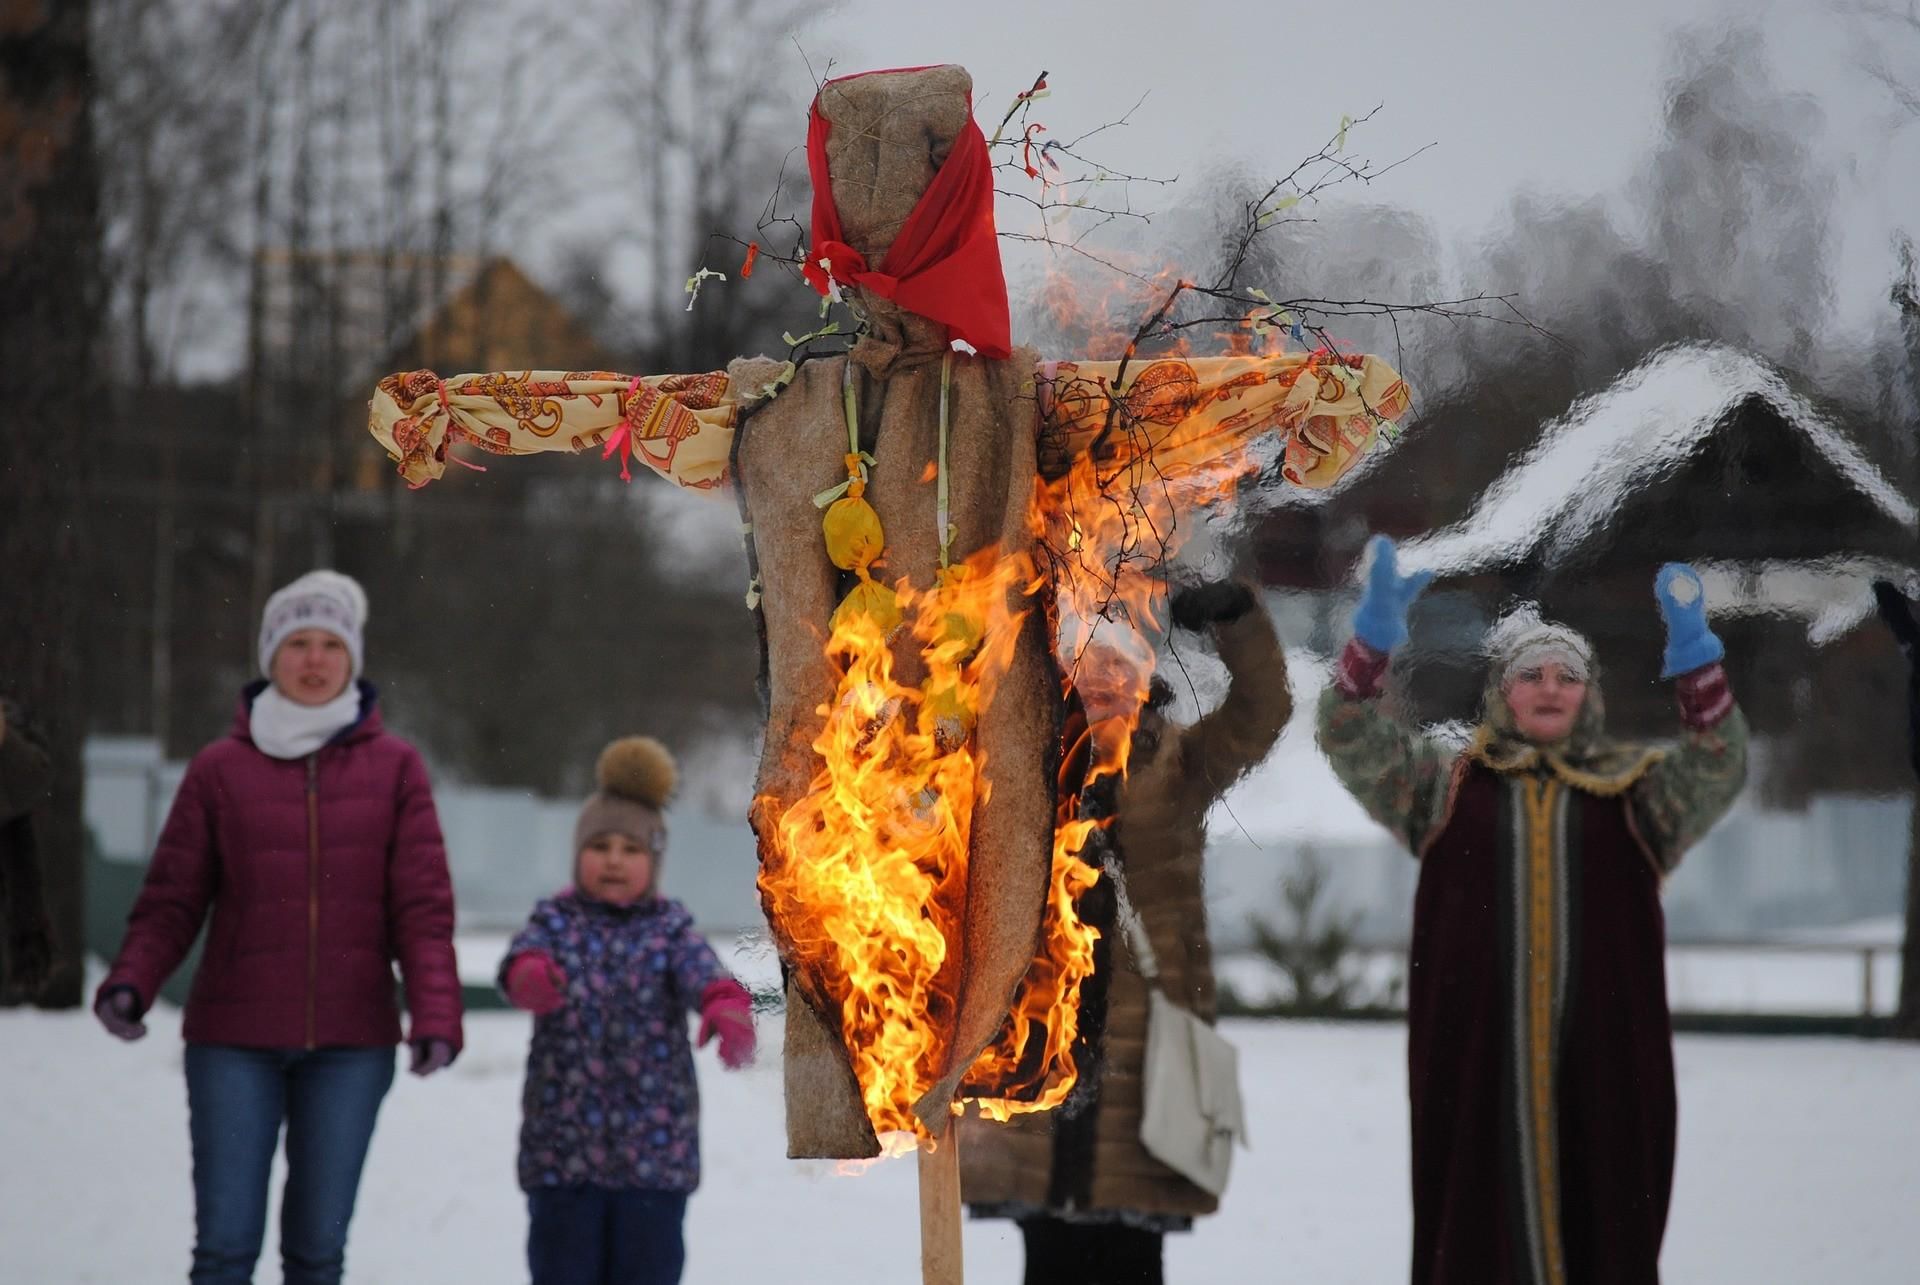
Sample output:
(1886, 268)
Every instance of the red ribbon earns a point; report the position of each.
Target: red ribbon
(944, 264)
(621, 439)
(446, 443)
(1026, 151)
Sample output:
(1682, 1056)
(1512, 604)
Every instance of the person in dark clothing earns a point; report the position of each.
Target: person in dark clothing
(1540, 1047)
(1898, 613)
(26, 778)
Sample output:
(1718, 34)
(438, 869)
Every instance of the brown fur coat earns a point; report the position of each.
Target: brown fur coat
(1091, 1159)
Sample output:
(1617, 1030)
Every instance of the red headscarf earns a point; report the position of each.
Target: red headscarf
(945, 263)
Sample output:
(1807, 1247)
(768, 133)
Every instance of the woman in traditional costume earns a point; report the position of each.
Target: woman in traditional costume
(1540, 1049)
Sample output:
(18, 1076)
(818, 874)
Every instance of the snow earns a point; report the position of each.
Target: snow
(1799, 1160)
(1293, 793)
(1832, 595)
(1568, 487)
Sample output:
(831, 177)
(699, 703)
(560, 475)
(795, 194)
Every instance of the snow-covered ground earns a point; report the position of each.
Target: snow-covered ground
(1799, 1161)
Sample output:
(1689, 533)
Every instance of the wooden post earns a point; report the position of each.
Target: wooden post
(940, 1210)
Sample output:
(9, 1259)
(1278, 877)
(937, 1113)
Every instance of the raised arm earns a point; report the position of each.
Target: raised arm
(681, 426)
(1400, 777)
(1237, 734)
(1682, 795)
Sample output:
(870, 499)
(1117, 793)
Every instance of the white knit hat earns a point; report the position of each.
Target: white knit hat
(318, 600)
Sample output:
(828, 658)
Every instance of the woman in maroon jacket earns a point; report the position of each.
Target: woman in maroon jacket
(310, 832)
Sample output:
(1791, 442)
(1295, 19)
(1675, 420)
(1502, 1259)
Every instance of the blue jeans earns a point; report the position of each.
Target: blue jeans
(237, 1099)
(600, 1236)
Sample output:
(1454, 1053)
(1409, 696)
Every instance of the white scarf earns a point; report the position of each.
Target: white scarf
(286, 729)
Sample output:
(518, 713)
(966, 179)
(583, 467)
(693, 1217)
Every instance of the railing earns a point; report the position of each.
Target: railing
(1722, 984)
(1875, 999)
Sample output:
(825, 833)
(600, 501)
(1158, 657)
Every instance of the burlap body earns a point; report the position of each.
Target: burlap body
(890, 133)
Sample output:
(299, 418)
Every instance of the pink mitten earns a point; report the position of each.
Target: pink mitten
(726, 1010)
(537, 984)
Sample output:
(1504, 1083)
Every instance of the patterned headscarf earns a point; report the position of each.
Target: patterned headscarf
(1587, 759)
(1522, 638)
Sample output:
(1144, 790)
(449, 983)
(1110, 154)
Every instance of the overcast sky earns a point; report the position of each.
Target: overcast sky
(1556, 99)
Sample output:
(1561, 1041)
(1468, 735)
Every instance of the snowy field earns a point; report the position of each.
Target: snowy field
(1799, 1162)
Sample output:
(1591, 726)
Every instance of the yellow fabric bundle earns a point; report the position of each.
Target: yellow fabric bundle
(854, 534)
(869, 598)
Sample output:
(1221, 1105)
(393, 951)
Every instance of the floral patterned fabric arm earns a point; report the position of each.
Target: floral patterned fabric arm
(1400, 777)
(1195, 416)
(1694, 784)
(681, 426)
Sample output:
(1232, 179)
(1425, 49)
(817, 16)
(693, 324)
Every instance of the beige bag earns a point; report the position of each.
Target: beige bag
(1192, 1112)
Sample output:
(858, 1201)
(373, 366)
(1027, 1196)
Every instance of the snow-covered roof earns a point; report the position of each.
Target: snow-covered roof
(1832, 595)
(1567, 488)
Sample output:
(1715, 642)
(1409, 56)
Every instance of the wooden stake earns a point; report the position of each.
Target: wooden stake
(940, 1210)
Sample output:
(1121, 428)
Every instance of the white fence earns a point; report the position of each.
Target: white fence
(1774, 912)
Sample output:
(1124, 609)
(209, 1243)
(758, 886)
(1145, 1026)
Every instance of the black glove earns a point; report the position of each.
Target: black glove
(430, 1055)
(1898, 613)
(1218, 601)
(119, 1011)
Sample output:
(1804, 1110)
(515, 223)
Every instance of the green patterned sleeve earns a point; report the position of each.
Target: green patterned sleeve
(1398, 776)
(1682, 795)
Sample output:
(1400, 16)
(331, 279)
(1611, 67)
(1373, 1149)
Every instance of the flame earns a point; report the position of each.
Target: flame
(866, 877)
(1137, 473)
(867, 873)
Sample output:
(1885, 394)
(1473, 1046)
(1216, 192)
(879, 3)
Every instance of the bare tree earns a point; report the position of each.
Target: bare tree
(701, 130)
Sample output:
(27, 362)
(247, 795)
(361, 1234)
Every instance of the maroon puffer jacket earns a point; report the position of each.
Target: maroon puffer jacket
(321, 873)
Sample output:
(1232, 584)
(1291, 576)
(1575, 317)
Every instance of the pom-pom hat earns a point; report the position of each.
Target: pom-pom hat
(636, 776)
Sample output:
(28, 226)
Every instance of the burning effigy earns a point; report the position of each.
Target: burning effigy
(938, 524)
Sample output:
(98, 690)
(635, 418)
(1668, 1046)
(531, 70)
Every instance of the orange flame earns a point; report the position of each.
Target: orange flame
(868, 869)
(867, 873)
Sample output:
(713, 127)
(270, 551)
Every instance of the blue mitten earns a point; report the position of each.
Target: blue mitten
(1683, 606)
(1381, 621)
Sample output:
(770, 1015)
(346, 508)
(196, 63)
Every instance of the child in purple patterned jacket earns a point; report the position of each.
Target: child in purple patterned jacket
(609, 1136)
